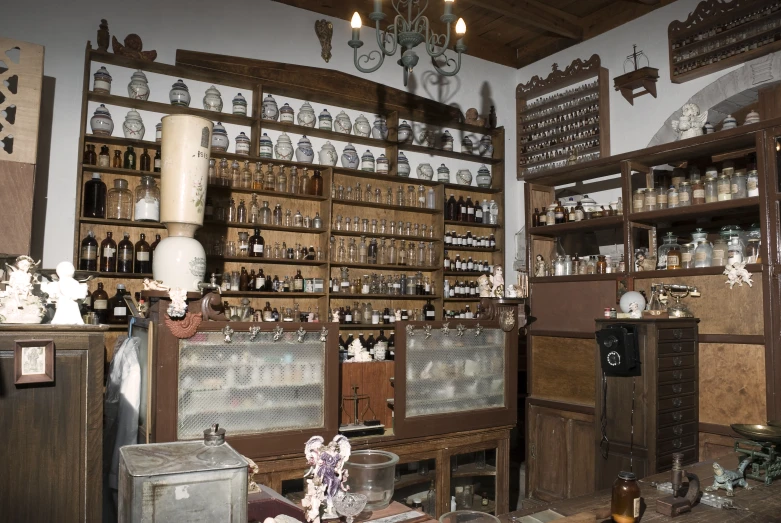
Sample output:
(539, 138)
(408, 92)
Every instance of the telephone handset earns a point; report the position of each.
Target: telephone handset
(619, 353)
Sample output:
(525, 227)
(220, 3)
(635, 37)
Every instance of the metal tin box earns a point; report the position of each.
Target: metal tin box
(193, 481)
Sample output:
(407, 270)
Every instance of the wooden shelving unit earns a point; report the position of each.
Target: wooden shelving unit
(325, 205)
(718, 35)
(563, 118)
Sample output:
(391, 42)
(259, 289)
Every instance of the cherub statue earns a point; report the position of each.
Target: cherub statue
(178, 306)
(18, 304)
(326, 476)
(634, 310)
(539, 266)
(736, 273)
(155, 285)
(691, 122)
(485, 286)
(358, 352)
(472, 117)
(497, 280)
(64, 292)
(728, 479)
(335, 315)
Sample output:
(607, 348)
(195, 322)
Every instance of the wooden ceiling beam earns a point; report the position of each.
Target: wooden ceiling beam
(529, 12)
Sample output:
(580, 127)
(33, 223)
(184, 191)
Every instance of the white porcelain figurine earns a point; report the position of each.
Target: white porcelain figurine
(64, 293)
(691, 122)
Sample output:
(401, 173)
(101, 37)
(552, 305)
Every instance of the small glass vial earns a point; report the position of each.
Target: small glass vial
(712, 190)
(739, 185)
(752, 183)
(684, 194)
(724, 188)
(698, 192)
(625, 498)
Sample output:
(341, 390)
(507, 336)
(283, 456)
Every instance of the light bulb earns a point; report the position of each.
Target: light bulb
(449, 1)
(460, 26)
(356, 22)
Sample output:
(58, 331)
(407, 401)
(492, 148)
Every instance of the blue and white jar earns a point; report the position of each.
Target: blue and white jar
(325, 121)
(179, 94)
(286, 114)
(361, 127)
(367, 161)
(483, 177)
(239, 105)
(402, 166)
(447, 141)
(304, 151)
(220, 141)
(342, 123)
(212, 100)
(270, 109)
(350, 158)
(380, 129)
(101, 82)
(265, 147)
(382, 164)
(467, 145)
(464, 177)
(284, 147)
(242, 144)
(729, 123)
(306, 115)
(159, 132)
(404, 133)
(101, 122)
(425, 171)
(443, 174)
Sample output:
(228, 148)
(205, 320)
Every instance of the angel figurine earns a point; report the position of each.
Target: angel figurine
(497, 280)
(65, 292)
(326, 476)
(691, 122)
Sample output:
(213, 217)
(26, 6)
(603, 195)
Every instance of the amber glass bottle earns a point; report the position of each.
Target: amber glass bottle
(89, 156)
(316, 184)
(145, 161)
(117, 308)
(100, 303)
(116, 162)
(451, 212)
(298, 282)
(108, 254)
(130, 158)
(143, 263)
(88, 257)
(625, 500)
(125, 255)
(256, 244)
(152, 249)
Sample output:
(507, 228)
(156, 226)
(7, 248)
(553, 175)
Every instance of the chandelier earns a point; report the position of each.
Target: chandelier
(409, 31)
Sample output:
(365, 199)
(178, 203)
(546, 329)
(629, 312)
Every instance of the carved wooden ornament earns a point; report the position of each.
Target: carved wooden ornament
(324, 30)
(574, 72)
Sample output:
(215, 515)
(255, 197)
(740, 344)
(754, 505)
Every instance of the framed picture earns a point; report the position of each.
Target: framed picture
(132, 306)
(33, 361)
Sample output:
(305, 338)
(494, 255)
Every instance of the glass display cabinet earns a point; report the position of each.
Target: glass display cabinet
(473, 480)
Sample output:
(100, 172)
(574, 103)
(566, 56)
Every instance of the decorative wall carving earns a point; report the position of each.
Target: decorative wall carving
(705, 10)
(557, 79)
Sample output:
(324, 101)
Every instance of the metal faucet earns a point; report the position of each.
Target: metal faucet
(212, 285)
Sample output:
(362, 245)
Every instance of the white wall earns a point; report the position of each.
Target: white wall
(256, 29)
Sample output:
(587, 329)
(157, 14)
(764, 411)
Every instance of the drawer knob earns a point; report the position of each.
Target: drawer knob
(677, 347)
(678, 430)
(677, 388)
(677, 375)
(677, 416)
(677, 361)
(677, 443)
(677, 402)
(677, 334)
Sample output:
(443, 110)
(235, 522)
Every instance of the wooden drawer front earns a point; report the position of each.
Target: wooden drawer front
(679, 430)
(676, 389)
(676, 362)
(676, 444)
(677, 375)
(676, 417)
(666, 462)
(677, 402)
(676, 347)
(685, 333)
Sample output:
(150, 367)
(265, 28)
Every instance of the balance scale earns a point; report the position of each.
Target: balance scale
(762, 449)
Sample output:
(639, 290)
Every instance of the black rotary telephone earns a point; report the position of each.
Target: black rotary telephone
(619, 352)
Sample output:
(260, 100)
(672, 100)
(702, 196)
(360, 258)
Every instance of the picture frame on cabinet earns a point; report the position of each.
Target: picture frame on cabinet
(33, 361)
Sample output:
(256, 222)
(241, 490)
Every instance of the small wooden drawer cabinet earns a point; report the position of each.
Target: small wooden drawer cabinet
(651, 416)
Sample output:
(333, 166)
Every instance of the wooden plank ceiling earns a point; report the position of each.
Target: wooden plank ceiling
(514, 33)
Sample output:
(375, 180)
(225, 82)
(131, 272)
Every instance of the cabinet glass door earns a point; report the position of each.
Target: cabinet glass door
(415, 485)
(473, 481)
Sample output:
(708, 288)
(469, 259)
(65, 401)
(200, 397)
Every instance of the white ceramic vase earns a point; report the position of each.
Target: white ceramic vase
(212, 100)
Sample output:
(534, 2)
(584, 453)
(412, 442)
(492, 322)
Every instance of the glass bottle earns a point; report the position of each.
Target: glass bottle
(153, 247)
(341, 253)
(157, 162)
(724, 187)
(664, 254)
(94, 198)
(116, 161)
(246, 176)
(739, 185)
(277, 216)
(117, 308)
(687, 255)
(147, 201)
(298, 219)
(143, 261)
(493, 217)
(400, 196)
(431, 255)
(292, 186)
(316, 185)
(411, 253)
(601, 265)
(684, 194)
(104, 158)
(125, 255)
(304, 181)
(382, 253)
(235, 174)
(298, 282)
(649, 203)
(421, 197)
(89, 157)
(698, 192)
(402, 254)
(625, 499)
(231, 214)
(100, 303)
(672, 197)
(254, 210)
(372, 252)
(752, 183)
(429, 313)
(352, 252)
(130, 158)
(264, 214)
(211, 178)
(288, 218)
(145, 162)
(461, 214)
(392, 254)
(88, 255)
(120, 201)
(256, 244)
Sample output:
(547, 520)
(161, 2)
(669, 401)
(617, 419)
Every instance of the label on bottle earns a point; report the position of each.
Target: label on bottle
(478, 214)
(365, 288)
(700, 257)
(126, 255)
(298, 284)
(650, 198)
(683, 196)
(431, 314)
(571, 215)
(558, 216)
(257, 248)
(268, 316)
(579, 216)
(463, 210)
(686, 257)
(470, 210)
(104, 161)
(142, 256)
(458, 265)
(448, 240)
(698, 193)
(157, 164)
(260, 283)
(637, 204)
(345, 284)
(447, 263)
(108, 252)
(637, 507)
(120, 311)
(100, 305)
(725, 189)
(661, 198)
(348, 318)
(673, 260)
(89, 252)
(672, 199)
(753, 187)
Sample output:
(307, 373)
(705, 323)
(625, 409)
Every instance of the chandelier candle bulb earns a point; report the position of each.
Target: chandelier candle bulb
(356, 23)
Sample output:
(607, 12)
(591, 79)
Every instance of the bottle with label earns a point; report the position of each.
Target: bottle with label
(117, 308)
(470, 210)
(670, 244)
(298, 282)
(462, 214)
(267, 314)
(256, 244)
(158, 162)
(152, 249)
(428, 311)
(244, 280)
(451, 210)
(116, 161)
(88, 256)
(108, 254)
(625, 500)
(145, 162)
(94, 198)
(104, 158)
(125, 255)
(143, 263)
(100, 303)
(478, 212)
(89, 157)
(130, 158)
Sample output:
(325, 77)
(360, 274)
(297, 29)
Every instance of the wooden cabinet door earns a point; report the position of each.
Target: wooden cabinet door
(560, 461)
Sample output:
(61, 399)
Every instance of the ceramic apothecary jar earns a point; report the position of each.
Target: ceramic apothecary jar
(402, 166)
(220, 141)
(306, 115)
(304, 151)
(284, 147)
(342, 123)
(486, 147)
(270, 108)
(242, 144)
(133, 126)
(380, 129)
(426, 138)
(265, 147)
(101, 82)
(447, 141)
(483, 177)
(404, 133)
(467, 145)
(729, 123)
(382, 164)
(239, 104)
(179, 94)
(286, 114)
(138, 88)
(350, 158)
(328, 155)
(362, 127)
(367, 161)
(325, 121)
(425, 171)
(212, 100)
(443, 174)
(101, 122)
(464, 177)
(752, 117)
(708, 128)
(159, 132)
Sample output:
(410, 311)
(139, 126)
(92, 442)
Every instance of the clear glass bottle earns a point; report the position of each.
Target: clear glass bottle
(752, 183)
(363, 251)
(684, 194)
(341, 253)
(739, 185)
(235, 174)
(670, 242)
(352, 251)
(422, 197)
(649, 200)
(246, 176)
(231, 214)
(120, 201)
(241, 212)
(638, 200)
(212, 177)
(392, 253)
(736, 251)
(277, 215)
(402, 254)
(724, 188)
(288, 218)
(687, 255)
(719, 252)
